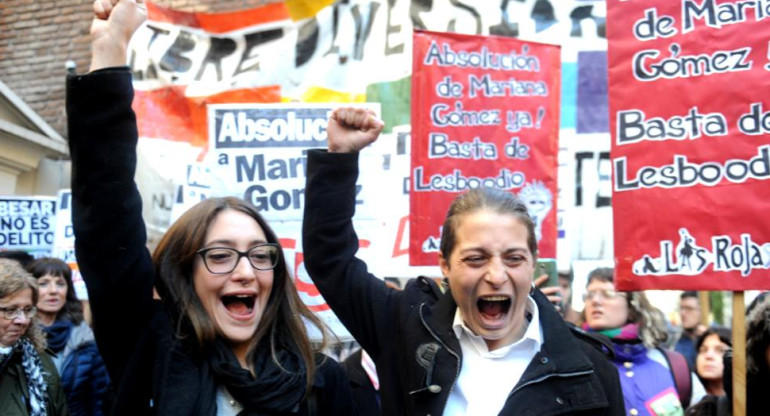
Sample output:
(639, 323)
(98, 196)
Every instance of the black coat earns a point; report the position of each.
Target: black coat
(409, 333)
(151, 370)
(366, 398)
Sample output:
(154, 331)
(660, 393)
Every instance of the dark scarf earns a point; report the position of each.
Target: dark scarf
(276, 390)
(58, 334)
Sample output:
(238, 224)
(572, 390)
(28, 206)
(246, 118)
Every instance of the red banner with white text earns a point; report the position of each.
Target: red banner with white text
(485, 112)
(690, 123)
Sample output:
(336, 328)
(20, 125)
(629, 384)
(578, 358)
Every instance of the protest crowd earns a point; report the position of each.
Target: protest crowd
(211, 321)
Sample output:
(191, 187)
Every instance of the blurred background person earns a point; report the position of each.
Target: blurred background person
(565, 288)
(29, 384)
(692, 328)
(711, 346)
(757, 357)
(636, 328)
(20, 256)
(83, 375)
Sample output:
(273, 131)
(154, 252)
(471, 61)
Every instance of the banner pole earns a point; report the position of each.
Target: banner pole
(739, 355)
(705, 308)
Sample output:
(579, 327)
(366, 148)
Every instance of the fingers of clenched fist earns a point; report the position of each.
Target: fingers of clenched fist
(356, 118)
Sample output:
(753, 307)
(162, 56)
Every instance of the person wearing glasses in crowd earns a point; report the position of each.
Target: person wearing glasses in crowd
(29, 384)
(692, 328)
(228, 335)
(491, 344)
(637, 329)
(83, 375)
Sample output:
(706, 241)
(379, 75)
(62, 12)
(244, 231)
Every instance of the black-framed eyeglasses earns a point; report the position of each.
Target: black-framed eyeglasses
(223, 260)
(12, 313)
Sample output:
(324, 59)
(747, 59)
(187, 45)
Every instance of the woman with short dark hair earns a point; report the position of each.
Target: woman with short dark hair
(490, 343)
(712, 346)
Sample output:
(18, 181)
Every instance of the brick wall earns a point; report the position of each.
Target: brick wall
(38, 37)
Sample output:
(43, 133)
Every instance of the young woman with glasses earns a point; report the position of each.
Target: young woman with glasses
(29, 383)
(228, 334)
(636, 329)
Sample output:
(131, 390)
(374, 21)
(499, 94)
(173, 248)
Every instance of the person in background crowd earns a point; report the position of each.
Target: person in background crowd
(491, 344)
(77, 359)
(29, 384)
(758, 357)
(636, 329)
(565, 287)
(228, 334)
(711, 346)
(692, 328)
(757, 367)
(21, 257)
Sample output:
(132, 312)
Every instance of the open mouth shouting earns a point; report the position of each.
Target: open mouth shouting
(239, 306)
(493, 310)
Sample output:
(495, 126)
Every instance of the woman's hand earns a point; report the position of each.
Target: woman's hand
(352, 129)
(115, 22)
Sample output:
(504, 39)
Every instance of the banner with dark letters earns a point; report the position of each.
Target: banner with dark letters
(690, 125)
(485, 112)
(259, 152)
(27, 224)
(353, 52)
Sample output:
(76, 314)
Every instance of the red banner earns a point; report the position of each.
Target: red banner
(485, 112)
(690, 123)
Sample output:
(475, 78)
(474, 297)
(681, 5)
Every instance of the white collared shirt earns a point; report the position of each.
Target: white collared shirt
(487, 377)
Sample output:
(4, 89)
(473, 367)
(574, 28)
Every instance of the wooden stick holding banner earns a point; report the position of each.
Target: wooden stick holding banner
(739, 355)
(692, 153)
(704, 298)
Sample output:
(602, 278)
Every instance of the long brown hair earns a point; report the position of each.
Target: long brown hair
(282, 320)
(13, 279)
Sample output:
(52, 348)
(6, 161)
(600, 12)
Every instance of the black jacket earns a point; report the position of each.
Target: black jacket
(151, 370)
(409, 333)
(82, 372)
(366, 398)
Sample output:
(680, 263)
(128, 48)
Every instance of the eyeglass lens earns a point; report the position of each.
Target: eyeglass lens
(604, 294)
(12, 313)
(225, 260)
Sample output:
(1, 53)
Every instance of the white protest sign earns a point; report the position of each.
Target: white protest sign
(27, 224)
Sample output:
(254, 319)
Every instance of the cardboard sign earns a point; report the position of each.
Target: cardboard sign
(27, 224)
(64, 241)
(485, 113)
(690, 123)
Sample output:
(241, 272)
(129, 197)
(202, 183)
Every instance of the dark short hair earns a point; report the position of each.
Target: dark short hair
(73, 309)
(22, 257)
(758, 336)
(724, 334)
(689, 294)
(496, 200)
